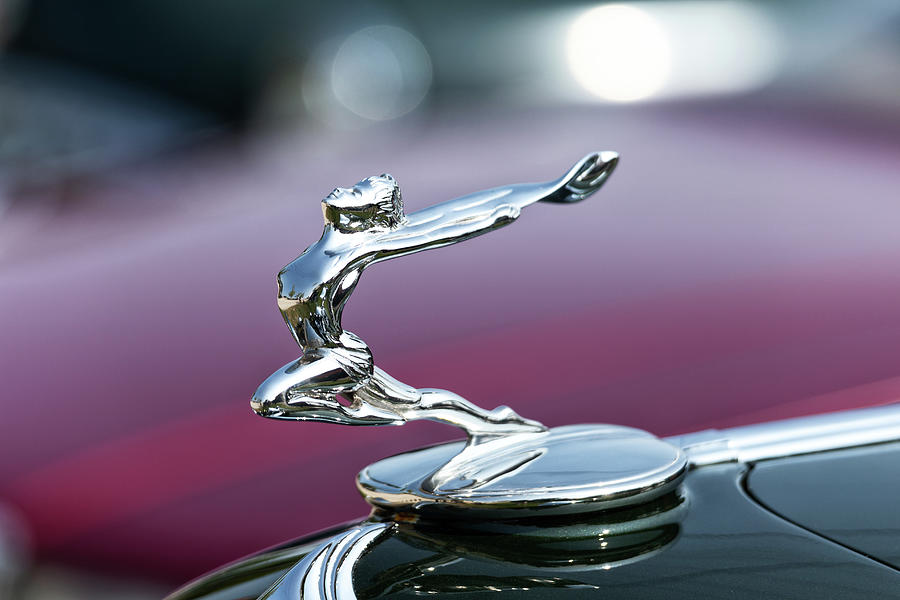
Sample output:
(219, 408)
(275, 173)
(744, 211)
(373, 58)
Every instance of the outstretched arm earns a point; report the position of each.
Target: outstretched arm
(471, 215)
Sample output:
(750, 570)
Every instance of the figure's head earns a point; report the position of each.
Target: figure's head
(374, 202)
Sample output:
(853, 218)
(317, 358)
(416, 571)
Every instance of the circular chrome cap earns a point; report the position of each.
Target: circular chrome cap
(564, 470)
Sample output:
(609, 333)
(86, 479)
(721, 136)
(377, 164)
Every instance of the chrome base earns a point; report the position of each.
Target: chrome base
(565, 470)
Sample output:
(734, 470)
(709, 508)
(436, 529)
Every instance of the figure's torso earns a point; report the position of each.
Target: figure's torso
(313, 288)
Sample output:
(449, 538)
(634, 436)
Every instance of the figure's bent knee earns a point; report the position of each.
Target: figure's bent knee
(269, 399)
(319, 376)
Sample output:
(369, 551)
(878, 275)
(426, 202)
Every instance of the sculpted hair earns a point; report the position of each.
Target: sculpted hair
(389, 201)
(381, 205)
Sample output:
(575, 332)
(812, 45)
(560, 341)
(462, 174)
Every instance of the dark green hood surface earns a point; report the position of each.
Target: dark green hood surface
(710, 540)
(849, 496)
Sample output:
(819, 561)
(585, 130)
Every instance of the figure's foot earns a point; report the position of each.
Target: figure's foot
(509, 421)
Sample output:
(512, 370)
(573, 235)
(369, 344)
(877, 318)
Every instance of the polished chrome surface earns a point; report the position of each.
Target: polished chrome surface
(326, 573)
(596, 541)
(602, 541)
(247, 577)
(508, 465)
(790, 437)
(365, 225)
(564, 470)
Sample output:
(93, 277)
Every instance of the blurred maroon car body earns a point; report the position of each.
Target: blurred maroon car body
(737, 268)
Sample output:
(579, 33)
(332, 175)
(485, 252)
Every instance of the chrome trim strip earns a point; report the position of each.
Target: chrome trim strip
(790, 437)
(326, 573)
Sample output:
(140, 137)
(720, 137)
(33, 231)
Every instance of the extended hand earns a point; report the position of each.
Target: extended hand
(585, 177)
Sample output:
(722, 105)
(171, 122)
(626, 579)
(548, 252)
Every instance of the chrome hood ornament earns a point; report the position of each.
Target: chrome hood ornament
(505, 466)
(365, 225)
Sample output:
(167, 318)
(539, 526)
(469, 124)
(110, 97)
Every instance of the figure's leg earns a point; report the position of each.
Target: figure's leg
(441, 405)
(384, 391)
(307, 389)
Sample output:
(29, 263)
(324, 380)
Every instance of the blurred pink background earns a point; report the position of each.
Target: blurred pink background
(739, 266)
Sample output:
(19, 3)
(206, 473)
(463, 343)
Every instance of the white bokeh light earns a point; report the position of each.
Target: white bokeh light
(375, 74)
(629, 52)
(381, 72)
(618, 53)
